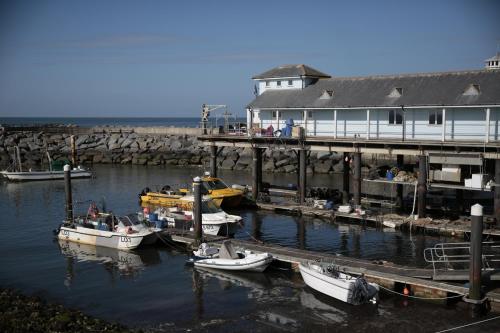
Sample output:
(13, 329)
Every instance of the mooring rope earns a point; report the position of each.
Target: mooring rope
(467, 325)
(416, 297)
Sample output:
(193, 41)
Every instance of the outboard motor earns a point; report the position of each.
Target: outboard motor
(144, 191)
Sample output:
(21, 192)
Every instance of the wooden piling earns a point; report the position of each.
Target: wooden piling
(422, 185)
(256, 172)
(302, 176)
(345, 179)
(356, 179)
(213, 161)
(497, 193)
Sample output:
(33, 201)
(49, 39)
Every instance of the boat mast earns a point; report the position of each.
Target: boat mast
(18, 155)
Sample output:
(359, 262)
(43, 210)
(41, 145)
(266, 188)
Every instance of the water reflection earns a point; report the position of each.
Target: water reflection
(123, 263)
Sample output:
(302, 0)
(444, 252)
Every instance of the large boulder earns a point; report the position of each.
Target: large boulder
(323, 167)
(227, 164)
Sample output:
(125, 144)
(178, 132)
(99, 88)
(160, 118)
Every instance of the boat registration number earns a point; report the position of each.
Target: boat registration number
(125, 239)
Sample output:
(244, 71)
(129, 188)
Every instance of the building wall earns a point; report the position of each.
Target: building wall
(296, 84)
(459, 123)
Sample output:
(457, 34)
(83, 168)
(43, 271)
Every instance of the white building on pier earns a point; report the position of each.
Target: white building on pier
(443, 106)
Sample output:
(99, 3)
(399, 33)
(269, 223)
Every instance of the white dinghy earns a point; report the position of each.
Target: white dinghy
(229, 259)
(344, 287)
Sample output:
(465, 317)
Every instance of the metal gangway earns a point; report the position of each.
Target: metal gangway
(450, 261)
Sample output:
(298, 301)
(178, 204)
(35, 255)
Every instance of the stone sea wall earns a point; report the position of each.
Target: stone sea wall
(155, 147)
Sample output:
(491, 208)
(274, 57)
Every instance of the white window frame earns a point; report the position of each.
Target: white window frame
(395, 122)
(436, 114)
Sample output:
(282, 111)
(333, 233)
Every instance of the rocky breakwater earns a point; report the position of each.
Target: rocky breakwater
(128, 147)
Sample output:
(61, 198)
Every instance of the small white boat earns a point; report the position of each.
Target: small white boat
(229, 259)
(215, 221)
(55, 171)
(344, 287)
(78, 172)
(106, 230)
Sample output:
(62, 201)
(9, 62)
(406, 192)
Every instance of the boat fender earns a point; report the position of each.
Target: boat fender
(130, 230)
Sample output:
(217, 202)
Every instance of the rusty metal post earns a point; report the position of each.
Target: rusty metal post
(356, 179)
(67, 190)
(422, 185)
(476, 252)
(197, 217)
(302, 176)
(213, 161)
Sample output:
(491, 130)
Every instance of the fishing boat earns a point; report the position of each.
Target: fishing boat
(214, 220)
(104, 229)
(55, 171)
(344, 287)
(226, 258)
(222, 195)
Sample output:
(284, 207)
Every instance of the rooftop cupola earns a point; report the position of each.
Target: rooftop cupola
(288, 77)
(493, 62)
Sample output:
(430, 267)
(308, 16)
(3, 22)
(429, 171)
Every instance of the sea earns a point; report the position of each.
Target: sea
(111, 121)
(152, 288)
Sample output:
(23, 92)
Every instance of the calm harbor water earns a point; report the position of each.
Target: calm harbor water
(152, 288)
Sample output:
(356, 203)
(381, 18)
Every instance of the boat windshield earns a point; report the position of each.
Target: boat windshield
(215, 184)
(130, 220)
(209, 207)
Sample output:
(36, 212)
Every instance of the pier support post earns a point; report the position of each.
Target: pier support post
(256, 172)
(67, 190)
(345, 179)
(399, 187)
(475, 254)
(73, 151)
(422, 185)
(197, 218)
(356, 179)
(213, 161)
(497, 193)
(302, 176)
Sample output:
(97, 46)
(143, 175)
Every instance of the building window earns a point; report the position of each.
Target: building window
(268, 84)
(309, 114)
(395, 117)
(278, 83)
(290, 82)
(436, 117)
(276, 114)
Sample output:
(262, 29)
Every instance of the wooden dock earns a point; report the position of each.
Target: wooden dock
(395, 277)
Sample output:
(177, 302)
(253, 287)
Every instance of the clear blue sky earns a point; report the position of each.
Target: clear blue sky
(166, 58)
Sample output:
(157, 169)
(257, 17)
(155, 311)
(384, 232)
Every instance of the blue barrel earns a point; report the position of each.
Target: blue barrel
(389, 175)
(153, 217)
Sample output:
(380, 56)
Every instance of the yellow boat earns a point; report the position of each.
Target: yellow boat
(221, 194)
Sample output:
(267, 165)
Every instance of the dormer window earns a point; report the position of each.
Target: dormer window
(472, 90)
(327, 94)
(396, 92)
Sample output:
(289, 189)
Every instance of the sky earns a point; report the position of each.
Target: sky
(166, 58)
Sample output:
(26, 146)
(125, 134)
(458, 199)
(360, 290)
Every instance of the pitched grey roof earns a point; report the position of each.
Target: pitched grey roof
(290, 71)
(417, 90)
(495, 57)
